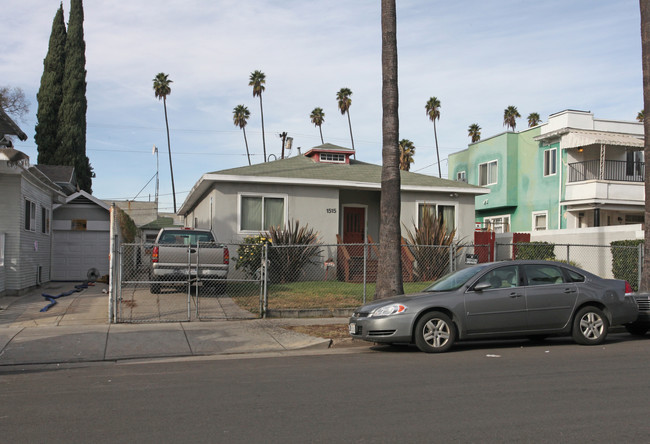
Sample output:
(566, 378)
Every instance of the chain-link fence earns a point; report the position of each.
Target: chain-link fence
(311, 280)
(607, 261)
(183, 283)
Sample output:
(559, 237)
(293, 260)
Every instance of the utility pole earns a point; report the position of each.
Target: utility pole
(284, 137)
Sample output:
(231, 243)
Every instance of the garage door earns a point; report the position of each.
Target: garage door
(75, 252)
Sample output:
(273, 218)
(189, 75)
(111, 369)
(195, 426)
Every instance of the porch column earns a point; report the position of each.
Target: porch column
(602, 162)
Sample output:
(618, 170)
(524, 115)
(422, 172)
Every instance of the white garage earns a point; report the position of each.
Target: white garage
(81, 238)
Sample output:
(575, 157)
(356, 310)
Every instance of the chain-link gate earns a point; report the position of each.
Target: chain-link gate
(188, 288)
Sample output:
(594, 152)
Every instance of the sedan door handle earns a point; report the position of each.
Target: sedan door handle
(515, 295)
(569, 290)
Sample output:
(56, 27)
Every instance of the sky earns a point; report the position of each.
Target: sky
(477, 57)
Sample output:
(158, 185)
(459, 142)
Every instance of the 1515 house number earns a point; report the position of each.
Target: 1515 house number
(331, 210)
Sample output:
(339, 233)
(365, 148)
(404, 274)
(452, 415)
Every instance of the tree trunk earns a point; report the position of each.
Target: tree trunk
(169, 148)
(435, 135)
(389, 269)
(321, 134)
(263, 141)
(350, 125)
(645, 55)
(246, 142)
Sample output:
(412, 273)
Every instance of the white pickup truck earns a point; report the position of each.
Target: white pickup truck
(180, 255)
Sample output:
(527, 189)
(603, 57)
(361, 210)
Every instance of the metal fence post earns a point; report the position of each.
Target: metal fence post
(365, 268)
(568, 247)
(639, 265)
(264, 276)
(451, 258)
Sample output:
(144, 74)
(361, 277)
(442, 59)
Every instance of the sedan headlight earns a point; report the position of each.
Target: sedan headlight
(388, 310)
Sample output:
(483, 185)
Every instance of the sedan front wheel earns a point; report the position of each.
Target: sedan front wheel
(435, 333)
(590, 326)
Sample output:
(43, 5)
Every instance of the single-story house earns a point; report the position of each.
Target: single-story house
(325, 188)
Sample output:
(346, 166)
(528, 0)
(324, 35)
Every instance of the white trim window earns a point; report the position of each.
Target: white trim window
(498, 224)
(487, 173)
(261, 212)
(540, 220)
(461, 176)
(332, 157)
(550, 162)
(30, 215)
(45, 220)
(444, 212)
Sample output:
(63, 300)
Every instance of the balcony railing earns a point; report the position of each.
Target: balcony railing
(618, 170)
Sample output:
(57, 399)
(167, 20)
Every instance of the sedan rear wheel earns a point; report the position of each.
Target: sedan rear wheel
(435, 333)
(590, 326)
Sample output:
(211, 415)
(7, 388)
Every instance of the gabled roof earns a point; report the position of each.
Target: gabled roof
(62, 175)
(9, 128)
(301, 170)
(83, 198)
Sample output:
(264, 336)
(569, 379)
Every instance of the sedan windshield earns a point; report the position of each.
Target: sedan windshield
(455, 280)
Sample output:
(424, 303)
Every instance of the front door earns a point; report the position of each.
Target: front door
(354, 228)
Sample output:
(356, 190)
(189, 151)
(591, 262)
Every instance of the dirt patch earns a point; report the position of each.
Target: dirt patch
(338, 333)
(328, 331)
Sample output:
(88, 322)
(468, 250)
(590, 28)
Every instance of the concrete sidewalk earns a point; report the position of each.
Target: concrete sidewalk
(76, 329)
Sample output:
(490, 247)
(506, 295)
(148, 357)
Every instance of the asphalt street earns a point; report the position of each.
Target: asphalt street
(506, 391)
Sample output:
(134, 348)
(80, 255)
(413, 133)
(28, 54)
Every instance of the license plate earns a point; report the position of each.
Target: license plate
(353, 329)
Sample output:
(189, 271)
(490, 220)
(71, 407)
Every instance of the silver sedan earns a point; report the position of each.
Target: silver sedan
(504, 299)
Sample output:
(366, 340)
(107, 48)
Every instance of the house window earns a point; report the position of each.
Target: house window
(550, 162)
(79, 225)
(633, 163)
(445, 213)
(45, 220)
(332, 157)
(461, 176)
(540, 221)
(260, 213)
(498, 224)
(487, 173)
(30, 215)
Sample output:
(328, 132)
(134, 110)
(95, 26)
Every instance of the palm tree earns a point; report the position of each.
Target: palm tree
(257, 81)
(474, 131)
(162, 89)
(240, 117)
(533, 120)
(344, 100)
(640, 116)
(406, 153)
(433, 111)
(389, 267)
(645, 63)
(509, 116)
(318, 118)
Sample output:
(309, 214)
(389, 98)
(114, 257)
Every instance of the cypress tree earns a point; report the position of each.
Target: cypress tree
(50, 93)
(72, 114)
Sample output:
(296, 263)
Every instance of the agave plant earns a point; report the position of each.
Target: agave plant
(430, 243)
(291, 249)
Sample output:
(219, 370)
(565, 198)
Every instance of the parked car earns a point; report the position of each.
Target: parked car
(641, 326)
(502, 299)
(180, 255)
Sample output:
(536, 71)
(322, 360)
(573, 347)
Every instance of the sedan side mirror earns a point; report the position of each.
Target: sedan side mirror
(482, 286)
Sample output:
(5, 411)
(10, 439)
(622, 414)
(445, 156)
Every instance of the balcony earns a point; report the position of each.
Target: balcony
(614, 170)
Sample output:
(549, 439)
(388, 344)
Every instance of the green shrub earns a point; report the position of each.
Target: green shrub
(249, 254)
(430, 243)
(625, 260)
(293, 248)
(535, 251)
